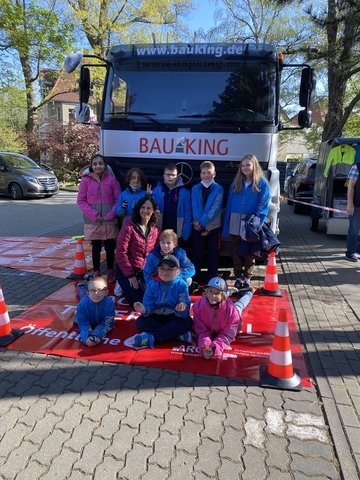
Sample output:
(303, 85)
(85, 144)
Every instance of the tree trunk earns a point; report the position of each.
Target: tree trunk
(32, 116)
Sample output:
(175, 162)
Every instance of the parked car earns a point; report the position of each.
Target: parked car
(300, 185)
(290, 171)
(22, 177)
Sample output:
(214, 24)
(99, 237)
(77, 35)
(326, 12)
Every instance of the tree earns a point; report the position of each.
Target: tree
(105, 23)
(33, 36)
(68, 147)
(340, 23)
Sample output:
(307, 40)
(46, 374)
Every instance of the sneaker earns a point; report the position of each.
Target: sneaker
(238, 284)
(232, 291)
(110, 276)
(97, 273)
(118, 290)
(186, 337)
(143, 340)
(194, 287)
(82, 290)
(351, 257)
(245, 285)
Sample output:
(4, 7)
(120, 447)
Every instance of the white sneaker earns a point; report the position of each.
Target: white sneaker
(118, 290)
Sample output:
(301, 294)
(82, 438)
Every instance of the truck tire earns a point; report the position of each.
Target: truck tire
(297, 208)
(314, 224)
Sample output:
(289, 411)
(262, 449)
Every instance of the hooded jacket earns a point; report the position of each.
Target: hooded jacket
(184, 218)
(187, 269)
(132, 198)
(133, 247)
(246, 202)
(218, 323)
(209, 215)
(97, 198)
(95, 318)
(162, 298)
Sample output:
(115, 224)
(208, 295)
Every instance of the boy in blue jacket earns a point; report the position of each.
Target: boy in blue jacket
(168, 246)
(173, 200)
(206, 198)
(95, 313)
(165, 310)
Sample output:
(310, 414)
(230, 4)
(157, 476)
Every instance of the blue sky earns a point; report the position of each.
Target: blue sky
(203, 16)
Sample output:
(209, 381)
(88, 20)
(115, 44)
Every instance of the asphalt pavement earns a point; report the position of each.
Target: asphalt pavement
(70, 419)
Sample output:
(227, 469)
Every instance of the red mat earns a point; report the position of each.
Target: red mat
(54, 256)
(49, 329)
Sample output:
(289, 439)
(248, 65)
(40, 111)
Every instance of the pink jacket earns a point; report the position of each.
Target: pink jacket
(97, 198)
(215, 327)
(133, 247)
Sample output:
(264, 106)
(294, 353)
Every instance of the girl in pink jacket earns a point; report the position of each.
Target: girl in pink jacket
(217, 319)
(97, 197)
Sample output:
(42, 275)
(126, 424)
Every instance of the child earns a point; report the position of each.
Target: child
(136, 188)
(95, 313)
(249, 194)
(174, 203)
(168, 245)
(206, 198)
(165, 308)
(217, 319)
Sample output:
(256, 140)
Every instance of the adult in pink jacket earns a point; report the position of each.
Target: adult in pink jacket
(136, 240)
(97, 197)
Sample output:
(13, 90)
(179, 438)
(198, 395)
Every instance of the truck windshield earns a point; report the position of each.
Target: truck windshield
(190, 92)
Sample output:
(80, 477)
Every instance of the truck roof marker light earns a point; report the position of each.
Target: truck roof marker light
(281, 57)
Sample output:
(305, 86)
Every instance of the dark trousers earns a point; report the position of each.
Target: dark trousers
(212, 243)
(109, 245)
(131, 294)
(164, 327)
(243, 267)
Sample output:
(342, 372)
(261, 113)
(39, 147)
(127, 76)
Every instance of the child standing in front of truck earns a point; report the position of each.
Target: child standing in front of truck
(206, 199)
(173, 200)
(136, 187)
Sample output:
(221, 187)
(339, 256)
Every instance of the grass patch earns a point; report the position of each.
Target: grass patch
(69, 186)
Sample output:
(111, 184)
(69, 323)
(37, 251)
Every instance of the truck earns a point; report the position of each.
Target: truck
(187, 103)
(330, 188)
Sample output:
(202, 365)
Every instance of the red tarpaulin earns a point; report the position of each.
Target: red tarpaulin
(49, 329)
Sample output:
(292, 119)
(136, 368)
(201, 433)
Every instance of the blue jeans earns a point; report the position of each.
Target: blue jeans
(164, 327)
(241, 304)
(354, 226)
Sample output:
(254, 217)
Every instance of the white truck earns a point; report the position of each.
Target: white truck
(330, 187)
(186, 103)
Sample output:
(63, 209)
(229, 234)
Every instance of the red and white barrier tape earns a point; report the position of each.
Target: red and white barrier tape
(317, 206)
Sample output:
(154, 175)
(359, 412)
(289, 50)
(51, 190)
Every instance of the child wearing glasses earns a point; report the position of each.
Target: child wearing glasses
(95, 313)
(169, 246)
(165, 310)
(174, 203)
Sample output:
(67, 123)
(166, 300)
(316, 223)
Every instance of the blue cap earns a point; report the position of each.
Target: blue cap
(218, 283)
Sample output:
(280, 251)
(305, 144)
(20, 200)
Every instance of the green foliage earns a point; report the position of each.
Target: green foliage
(67, 148)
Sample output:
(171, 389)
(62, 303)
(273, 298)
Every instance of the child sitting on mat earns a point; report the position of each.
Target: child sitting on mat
(217, 319)
(165, 307)
(95, 313)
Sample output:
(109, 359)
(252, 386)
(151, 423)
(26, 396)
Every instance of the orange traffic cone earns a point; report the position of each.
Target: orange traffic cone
(271, 284)
(80, 266)
(280, 372)
(7, 334)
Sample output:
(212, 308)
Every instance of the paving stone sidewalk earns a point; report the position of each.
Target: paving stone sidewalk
(69, 419)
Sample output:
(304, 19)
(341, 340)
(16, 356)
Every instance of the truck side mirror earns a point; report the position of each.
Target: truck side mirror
(84, 84)
(307, 87)
(305, 119)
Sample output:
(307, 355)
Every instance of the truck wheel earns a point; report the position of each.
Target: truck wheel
(16, 192)
(297, 208)
(314, 224)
